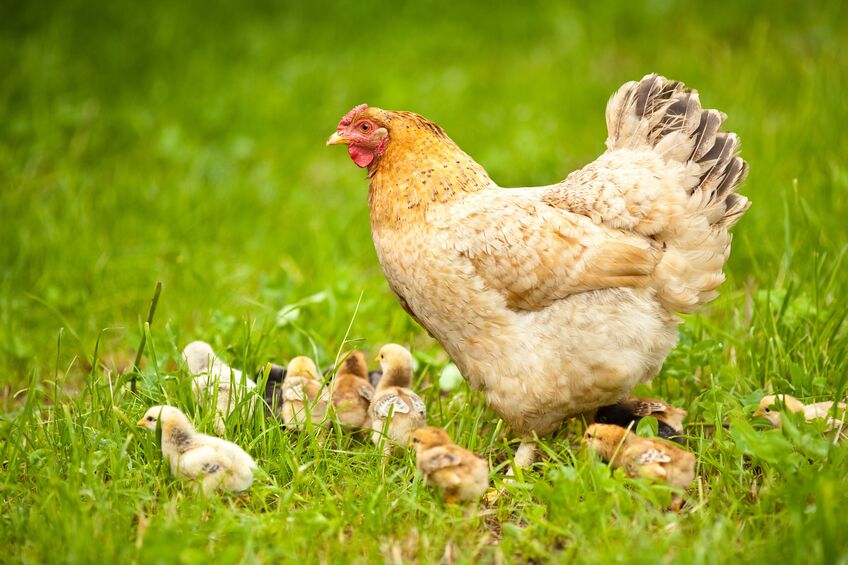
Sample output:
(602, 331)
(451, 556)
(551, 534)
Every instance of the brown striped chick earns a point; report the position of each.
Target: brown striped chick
(649, 458)
(461, 476)
(215, 463)
(770, 410)
(303, 396)
(351, 392)
(212, 376)
(395, 412)
(628, 412)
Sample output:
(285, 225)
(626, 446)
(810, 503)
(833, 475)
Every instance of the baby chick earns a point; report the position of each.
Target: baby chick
(770, 410)
(213, 374)
(650, 458)
(458, 474)
(302, 393)
(274, 384)
(214, 462)
(394, 398)
(631, 410)
(351, 392)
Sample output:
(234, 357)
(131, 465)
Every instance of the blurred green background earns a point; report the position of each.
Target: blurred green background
(184, 142)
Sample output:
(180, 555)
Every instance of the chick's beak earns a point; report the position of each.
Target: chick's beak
(141, 422)
(759, 413)
(337, 139)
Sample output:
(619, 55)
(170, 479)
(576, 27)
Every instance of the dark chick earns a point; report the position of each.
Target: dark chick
(630, 411)
(375, 376)
(274, 384)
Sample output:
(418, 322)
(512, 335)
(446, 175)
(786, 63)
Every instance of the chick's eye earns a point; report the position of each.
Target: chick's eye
(150, 418)
(768, 409)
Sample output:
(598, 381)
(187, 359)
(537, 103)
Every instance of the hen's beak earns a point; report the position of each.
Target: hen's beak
(337, 139)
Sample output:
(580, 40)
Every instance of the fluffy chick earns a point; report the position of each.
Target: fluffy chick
(394, 398)
(650, 458)
(350, 391)
(303, 396)
(215, 463)
(457, 473)
(770, 410)
(213, 376)
(629, 411)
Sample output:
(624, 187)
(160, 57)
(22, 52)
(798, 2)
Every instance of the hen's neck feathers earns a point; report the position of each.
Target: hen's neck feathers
(421, 167)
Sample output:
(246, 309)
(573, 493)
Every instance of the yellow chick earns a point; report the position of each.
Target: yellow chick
(395, 410)
(213, 376)
(770, 410)
(457, 473)
(351, 392)
(650, 458)
(215, 463)
(302, 394)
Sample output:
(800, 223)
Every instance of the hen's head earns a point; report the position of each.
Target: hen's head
(365, 131)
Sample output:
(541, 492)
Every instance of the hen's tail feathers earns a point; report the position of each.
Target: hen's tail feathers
(666, 117)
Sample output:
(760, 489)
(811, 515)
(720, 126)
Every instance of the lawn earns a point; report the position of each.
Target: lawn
(183, 142)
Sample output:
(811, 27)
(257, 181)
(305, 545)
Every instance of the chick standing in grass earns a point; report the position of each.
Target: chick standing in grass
(351, 392)
(396, 412)
(303, 397)
(650, 458)
(629, 411)
(770, 410)
(213, 376)
(459, 475)
(214, 462)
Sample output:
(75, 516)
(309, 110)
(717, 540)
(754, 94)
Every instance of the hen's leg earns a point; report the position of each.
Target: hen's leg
(525, 456)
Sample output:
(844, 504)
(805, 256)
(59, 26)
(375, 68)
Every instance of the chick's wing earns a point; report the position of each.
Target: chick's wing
(390, 404)
(438, 458)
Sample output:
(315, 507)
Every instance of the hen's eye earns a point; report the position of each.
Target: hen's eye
(364, 127)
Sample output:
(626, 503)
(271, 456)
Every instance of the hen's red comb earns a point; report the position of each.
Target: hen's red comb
(348, 118)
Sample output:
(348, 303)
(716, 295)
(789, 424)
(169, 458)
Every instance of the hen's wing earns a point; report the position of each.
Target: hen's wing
(535, 253)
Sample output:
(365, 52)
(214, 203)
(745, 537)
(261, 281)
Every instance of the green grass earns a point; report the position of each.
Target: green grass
(182, 142)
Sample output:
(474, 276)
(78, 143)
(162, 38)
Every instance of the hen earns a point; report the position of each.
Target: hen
(559, 299)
